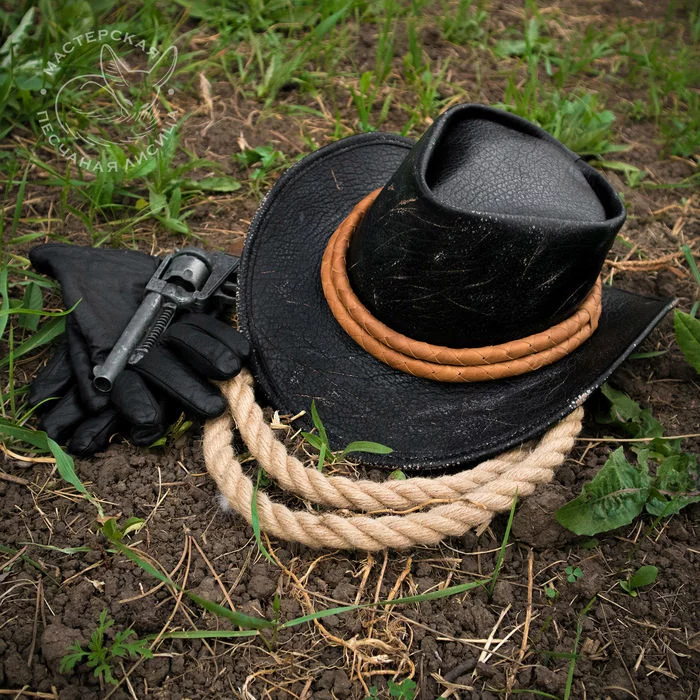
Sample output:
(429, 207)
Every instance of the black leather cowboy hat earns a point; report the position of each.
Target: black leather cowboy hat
(487, 231)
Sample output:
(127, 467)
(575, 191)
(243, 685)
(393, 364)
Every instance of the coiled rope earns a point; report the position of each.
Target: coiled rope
(430, 509)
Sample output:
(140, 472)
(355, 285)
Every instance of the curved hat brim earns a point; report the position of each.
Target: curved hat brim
(300, 352)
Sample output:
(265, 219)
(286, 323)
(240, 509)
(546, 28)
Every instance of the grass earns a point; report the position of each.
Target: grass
(254, 88)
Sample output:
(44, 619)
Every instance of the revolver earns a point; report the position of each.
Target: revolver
(190, 279)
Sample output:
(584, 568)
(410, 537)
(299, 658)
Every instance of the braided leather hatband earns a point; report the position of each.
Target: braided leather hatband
(439, 362)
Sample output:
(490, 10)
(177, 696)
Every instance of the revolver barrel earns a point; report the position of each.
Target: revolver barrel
(146, 314)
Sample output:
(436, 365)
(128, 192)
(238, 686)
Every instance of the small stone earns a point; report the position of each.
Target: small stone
(341, 683)
(503, 593)
(17, 673)
(156, 670)
(261, 586)
(534, 522)
(209, 589)
(56, 642)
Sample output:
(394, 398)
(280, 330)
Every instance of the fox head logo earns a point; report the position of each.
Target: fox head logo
(118, 99)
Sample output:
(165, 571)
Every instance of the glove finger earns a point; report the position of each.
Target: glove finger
(136, 402)
(211, 347)
(63, 417)
(54, 378)
(144, 435)
(93, 434)
(94, 400)
(163, 370)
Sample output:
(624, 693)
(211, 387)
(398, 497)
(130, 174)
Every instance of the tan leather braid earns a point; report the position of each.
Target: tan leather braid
(439, 362)
(466, 500)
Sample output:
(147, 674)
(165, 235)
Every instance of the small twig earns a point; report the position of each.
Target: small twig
(528, 620)
(654, 264)
(28, 693)
(80, 573)
(39, 596)
(489, 641)
(216, 576)
(14, 479)
(27, 458)
(14, 558)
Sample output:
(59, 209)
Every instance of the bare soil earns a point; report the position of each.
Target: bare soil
(471, 646)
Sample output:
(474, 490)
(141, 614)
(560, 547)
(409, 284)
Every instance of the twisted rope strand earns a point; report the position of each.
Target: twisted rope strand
(476, 495)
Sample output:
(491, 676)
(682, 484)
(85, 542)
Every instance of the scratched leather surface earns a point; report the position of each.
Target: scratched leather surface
(489, 231)
(300, 353)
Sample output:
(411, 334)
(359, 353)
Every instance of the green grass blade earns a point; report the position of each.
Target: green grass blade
(32, 302)
(64, 462)
(48, 332)
(66, 468)
(504, 544)
(318, 423)
(205, 634)
(20, 201)
(691, 263)
(433, 595)
(5, 308)
(255, 519)
(238, 619)
(366, 446)
(35, 438)
(574, 653)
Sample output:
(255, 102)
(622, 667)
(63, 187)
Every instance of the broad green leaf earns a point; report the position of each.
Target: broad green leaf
(397, 475)
(688, 337)
(133, 524)
(175, 199)
(176, 225)
(157, 201)
(322, 456)
(223, 183)
(17, 37)
(365, 446)
(628, 415)
(644, 576)
(32, 301)
(111, 531)
(614, 498)
(676, 485)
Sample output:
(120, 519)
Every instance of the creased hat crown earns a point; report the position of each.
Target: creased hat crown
(489, 230)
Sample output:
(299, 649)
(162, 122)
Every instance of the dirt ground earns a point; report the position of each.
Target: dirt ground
(467, 646)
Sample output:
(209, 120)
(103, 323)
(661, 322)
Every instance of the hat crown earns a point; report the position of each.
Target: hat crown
(490, 230)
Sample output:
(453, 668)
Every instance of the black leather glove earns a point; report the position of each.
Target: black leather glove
(173, 377)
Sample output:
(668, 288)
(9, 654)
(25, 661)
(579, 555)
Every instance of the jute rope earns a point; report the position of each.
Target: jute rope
(439, 362)
(453, 504)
